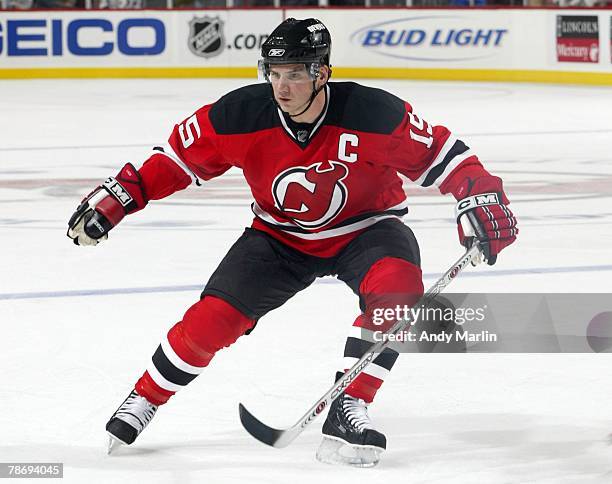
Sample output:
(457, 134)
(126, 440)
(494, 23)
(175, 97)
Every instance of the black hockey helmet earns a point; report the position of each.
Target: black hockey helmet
(297, 42)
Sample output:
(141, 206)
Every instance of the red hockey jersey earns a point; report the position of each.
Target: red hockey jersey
(316, 188)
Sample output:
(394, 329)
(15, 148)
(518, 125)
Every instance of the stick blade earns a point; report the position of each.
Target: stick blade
(262, 432)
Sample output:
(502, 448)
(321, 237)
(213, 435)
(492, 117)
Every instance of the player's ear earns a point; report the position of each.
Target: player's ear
(323, 74)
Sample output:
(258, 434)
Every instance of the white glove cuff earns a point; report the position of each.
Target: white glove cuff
(470, 203)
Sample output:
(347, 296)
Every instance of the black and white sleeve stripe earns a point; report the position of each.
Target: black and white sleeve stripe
(453, 152)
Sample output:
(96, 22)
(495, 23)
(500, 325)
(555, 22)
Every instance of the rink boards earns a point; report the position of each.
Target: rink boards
(524, 45)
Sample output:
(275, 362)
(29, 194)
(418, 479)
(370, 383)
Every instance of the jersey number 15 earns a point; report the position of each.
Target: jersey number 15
(186, 131)
(419, 123)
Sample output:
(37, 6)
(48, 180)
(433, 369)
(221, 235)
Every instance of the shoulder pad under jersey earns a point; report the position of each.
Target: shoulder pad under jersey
(245, 110)
(365, 109)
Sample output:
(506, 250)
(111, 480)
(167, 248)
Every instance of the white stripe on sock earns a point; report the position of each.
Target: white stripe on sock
(372, 369)
(161, 381)
(177, 361)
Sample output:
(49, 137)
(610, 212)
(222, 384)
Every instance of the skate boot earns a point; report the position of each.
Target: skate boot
(129, 420)
(348, 435)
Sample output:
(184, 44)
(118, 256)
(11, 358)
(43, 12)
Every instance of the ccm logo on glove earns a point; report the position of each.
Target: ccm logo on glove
(122, 196)
(477, 201)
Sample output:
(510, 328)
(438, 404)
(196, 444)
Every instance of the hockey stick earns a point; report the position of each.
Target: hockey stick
(282, 437)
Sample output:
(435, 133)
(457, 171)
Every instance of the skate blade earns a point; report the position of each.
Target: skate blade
(113, 443)
(338, 452)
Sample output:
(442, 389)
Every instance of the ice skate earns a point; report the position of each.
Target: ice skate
(348, 435)
(129, 420)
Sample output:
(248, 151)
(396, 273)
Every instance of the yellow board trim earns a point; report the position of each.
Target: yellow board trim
(126, 72)
(487, 75)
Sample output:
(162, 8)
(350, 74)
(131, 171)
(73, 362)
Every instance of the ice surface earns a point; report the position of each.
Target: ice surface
(79, 325)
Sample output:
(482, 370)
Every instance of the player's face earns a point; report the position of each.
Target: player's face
(292, 86)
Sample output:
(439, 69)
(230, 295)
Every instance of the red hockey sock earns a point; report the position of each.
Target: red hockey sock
(209, 325)
(389, 282)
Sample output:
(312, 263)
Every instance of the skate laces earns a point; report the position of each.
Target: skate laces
(356, 412)
(136, 411)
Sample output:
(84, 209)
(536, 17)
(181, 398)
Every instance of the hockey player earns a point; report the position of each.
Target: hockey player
(322, 160)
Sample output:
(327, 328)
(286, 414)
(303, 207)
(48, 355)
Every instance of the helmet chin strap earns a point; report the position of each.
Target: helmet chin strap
(315, 91)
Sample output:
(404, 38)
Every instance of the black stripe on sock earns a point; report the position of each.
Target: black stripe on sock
(168, 370)
(356, 348)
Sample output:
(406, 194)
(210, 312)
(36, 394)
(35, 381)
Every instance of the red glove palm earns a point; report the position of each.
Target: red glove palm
(482, 212)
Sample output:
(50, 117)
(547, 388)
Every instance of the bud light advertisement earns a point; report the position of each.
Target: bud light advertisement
(440, 38)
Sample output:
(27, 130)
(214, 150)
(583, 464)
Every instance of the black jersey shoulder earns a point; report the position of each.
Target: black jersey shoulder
(366, 109)
(245, 110)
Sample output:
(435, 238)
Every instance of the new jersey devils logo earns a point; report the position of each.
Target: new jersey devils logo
(312, 196)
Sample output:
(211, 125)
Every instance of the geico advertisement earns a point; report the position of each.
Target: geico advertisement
(186, 38)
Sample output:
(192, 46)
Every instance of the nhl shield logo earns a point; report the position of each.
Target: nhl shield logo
(206, 37)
